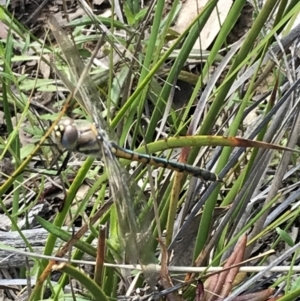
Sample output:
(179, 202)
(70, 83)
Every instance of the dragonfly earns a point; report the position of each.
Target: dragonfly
(92, 138)
(82, 136)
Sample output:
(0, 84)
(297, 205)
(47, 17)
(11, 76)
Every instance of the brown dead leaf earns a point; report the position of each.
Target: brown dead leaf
(45, 68)
(258, 296)
(236, 257)
(191, 9)
(24, 137)
(3, 30)
(5, 223)
(199, 291)
(220, 285)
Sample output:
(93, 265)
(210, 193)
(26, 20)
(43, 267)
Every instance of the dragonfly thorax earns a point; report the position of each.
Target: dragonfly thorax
(79, 136)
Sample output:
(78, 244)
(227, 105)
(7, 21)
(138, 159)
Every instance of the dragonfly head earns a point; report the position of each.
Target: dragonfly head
(66, 134)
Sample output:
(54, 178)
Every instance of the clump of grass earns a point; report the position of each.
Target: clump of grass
(207, 224)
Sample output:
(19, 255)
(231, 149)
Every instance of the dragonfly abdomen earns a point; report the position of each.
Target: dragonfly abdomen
(203, 174)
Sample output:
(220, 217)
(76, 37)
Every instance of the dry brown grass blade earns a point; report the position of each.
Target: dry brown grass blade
(222, 284)
(100, 259)
(236, 257)
(259, 296)
(165, 278)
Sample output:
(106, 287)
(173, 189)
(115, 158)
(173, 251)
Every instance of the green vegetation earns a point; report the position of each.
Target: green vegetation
(231, 109)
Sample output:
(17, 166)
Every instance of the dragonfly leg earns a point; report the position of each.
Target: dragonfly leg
(57, 171)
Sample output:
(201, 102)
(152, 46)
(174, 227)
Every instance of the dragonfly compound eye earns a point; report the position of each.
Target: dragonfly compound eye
(67, 134)
(69, 138)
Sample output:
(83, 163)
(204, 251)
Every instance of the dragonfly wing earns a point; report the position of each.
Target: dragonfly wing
(132, 210)
(133, 217)
(87, 95)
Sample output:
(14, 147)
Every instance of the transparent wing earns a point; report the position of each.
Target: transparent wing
(87, 94)
(130, 204)
(132, 211)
